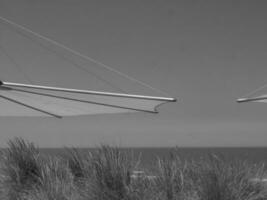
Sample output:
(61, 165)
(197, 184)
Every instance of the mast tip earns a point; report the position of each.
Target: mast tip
(1, 82)
(241, 100)
(174, 100)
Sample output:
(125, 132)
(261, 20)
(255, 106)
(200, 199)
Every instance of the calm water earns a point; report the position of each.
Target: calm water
(149, 155)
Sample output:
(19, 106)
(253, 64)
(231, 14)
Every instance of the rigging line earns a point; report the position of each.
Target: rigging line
(83, 101)
(16, 65)
(64, 57)
(28, 106)
(256, 90)
(82, 55)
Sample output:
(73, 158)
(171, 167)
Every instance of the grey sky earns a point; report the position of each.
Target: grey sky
(206, 54)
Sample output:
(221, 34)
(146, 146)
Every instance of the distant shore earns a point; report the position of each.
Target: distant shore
(149, 155)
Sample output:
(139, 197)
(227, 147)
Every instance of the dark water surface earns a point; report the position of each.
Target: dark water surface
(148, 156)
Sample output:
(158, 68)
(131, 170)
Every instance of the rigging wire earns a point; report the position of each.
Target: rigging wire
(256, 90)
(15, 64)
(64, 57)
(82, 55)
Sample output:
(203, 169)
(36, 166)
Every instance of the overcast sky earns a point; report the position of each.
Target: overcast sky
(205, 53)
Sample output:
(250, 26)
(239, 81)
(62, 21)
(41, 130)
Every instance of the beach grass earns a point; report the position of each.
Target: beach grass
(109, 173)
(20, 168)
(231, 180)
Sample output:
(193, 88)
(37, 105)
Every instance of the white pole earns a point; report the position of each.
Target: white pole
(88, 92)
(243, 100)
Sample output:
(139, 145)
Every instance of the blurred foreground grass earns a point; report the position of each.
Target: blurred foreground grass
(111, 174)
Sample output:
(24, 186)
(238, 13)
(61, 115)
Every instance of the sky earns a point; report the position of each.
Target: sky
(206, 54)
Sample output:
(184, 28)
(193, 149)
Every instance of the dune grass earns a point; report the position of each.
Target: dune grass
(20, 168)
(56, 182)
(106, 174)
(223, 180)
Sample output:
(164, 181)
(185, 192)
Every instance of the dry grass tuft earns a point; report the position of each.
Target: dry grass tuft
(223, 180)
(55, 183)
(20, 168)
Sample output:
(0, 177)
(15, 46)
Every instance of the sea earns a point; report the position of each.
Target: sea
(147, 157)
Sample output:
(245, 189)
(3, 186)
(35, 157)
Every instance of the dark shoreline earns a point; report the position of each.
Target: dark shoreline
(150, 154)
